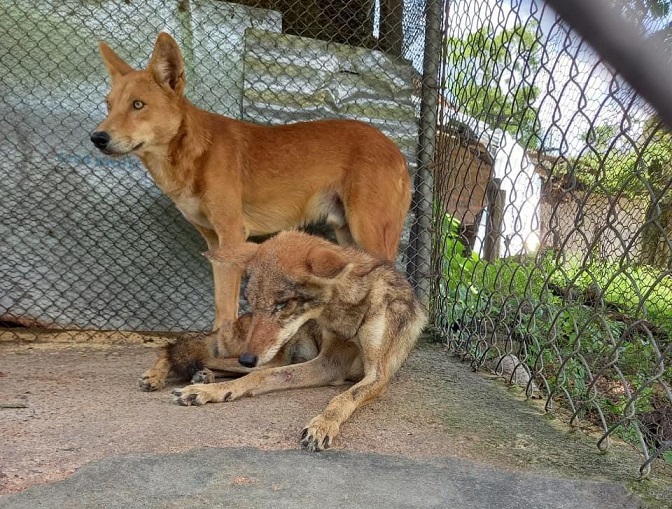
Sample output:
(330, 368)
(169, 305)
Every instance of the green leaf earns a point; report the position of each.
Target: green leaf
(491, 78)
(667, 457)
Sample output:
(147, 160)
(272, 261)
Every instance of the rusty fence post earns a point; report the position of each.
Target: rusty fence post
(495, 200)
(420, 247)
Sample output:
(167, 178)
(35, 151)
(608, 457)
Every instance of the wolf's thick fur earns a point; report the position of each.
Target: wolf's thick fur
(201, 359)
(232, 179)
(368, 316)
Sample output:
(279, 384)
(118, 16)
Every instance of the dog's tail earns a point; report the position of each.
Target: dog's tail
(187, 356)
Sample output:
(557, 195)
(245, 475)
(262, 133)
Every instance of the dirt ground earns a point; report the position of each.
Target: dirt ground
(65, 404)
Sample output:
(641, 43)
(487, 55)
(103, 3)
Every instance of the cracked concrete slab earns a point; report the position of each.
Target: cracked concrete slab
(251, 478)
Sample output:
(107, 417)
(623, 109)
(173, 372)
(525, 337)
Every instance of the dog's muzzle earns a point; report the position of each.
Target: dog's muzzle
(100, 139)
(248, 360)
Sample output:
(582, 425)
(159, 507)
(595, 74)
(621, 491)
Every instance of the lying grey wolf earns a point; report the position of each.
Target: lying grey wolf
(201, 359)
(366, 310)
(233, 179)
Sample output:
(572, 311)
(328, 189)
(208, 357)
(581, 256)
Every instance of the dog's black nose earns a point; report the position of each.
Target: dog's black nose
(248, 360)
(100, 139)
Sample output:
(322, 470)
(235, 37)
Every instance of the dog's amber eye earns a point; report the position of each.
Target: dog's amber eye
(138, 105)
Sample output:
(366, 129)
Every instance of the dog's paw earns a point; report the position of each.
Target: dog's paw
(200, 394)
(149, 382)
(204, 376)
(319, 434)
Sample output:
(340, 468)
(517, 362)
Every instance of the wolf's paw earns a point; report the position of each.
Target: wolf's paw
(319, 434)
(150, 382)
(204, 376)
(200, 394)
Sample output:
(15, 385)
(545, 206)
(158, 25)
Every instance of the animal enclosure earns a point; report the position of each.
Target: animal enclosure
(540, 235)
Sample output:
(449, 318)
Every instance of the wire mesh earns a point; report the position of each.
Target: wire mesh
(90, 242)
(541, 228)
(553, 267)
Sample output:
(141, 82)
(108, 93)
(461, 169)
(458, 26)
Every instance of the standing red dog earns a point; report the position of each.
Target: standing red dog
(232, 179)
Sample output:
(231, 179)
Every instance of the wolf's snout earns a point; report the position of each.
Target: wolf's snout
(248, 360)
(100, 139)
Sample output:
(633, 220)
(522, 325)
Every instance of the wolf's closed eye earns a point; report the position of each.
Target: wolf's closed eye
(279, 306)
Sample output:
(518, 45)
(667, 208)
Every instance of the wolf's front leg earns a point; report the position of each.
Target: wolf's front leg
(322, 429)
(379, 363)
(155, 377)
(314, 373)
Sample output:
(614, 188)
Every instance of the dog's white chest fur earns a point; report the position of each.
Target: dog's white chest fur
(190, 206)
(186, 202)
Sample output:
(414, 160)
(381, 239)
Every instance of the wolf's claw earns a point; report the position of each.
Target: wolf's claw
(204, 376)
(150, 383)
(187, 399)
(317, 438)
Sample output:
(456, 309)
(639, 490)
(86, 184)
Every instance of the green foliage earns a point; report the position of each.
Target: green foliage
(475, 287)
(472, 288)
(614, 164)
(491, 77)
(564, 339)
(641, 291)
(647, 12)
(667, 456)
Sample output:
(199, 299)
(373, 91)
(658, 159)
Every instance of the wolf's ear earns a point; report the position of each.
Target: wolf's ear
(327, 263)
(166, 64)
(113, 63)
(239, 255)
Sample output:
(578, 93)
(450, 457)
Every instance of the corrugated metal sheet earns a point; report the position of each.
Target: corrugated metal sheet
(214, 55)
(89, 241)
(290, 79)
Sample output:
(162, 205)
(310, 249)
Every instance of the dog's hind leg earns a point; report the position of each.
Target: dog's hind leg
(343, 235)
(376, 234)
(155, 377)
(375, 213)
(337, 220)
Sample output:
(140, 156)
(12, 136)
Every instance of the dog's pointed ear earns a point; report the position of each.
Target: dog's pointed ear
(239, 255)
(166, 64)
(114, 64)
(328, 264)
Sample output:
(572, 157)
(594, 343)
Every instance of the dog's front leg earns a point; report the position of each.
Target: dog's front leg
(227, 289)
(226, 277)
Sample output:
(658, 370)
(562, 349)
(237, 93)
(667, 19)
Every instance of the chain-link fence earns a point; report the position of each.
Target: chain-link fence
(553, 268)
(89, 242)
(541, 226)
